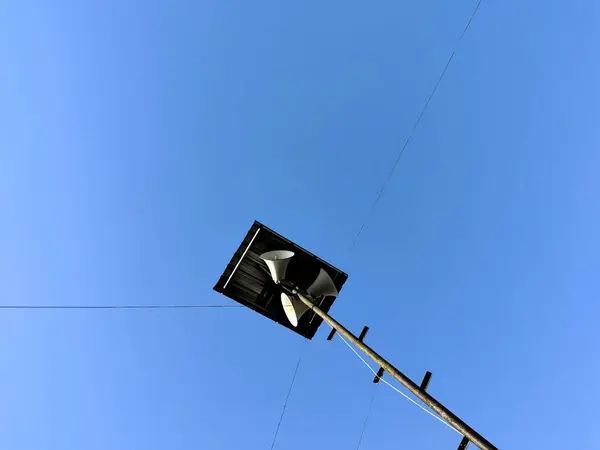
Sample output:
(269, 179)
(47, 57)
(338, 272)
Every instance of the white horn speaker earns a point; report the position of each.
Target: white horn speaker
(293, 308)
(323, 285)
(277, 262)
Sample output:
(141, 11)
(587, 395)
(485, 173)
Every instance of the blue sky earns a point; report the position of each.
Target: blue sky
(139, 140)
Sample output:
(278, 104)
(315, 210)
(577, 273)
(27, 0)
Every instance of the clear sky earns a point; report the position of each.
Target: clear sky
(139, 140)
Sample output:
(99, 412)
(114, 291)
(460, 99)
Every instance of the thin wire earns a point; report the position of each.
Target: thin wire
(364, 427)
(116, 306)
(391, 173)
(287, 397)
(395, 388)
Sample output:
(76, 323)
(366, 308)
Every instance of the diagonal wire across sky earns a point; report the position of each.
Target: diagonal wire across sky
(374, 206)
(412, 132)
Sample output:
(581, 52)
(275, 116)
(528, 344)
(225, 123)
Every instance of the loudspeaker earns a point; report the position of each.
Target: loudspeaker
(277, 261)
(293, 308)
(323, 285)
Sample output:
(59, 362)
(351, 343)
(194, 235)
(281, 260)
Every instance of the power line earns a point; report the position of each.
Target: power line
(116, 306)
(287, 397)
(377, 199)
(364, 427)
(370, 213)
(391, 173)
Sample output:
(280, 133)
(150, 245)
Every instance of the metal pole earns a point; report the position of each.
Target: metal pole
(440, 409)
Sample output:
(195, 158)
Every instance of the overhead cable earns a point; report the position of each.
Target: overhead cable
(287, 397)
(115, 306)
(416, 124)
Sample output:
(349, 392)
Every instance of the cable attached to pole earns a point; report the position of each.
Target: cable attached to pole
(410, 399)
